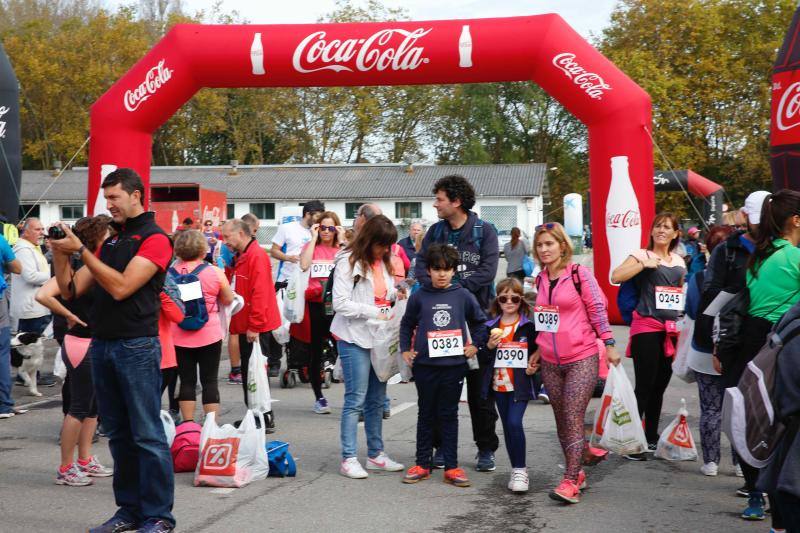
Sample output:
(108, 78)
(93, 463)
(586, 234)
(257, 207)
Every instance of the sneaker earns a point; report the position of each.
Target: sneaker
(737, 471)
(457, 477)
(710, 469)
(235, 378)
(635, 456)
(94, 469)
(651, 447)
(438, 459)
(567, 491)
(352, 468)
(485, 461)
(742, 492)
(383, 462)
(582, 480)
(114, 525)
(7, 415)
(416, 473)
(156, 526)
(519, 480)
(387, 414)
(72, 477)
(46, 380)
(593, 456)
(543, 396)
(269, 423)
(755, 507)
(321, 407)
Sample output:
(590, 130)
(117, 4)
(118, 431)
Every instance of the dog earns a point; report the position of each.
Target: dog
(27, 350)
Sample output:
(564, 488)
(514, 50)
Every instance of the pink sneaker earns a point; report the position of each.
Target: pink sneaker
(94, 469)
(581, 480)
(567, 491)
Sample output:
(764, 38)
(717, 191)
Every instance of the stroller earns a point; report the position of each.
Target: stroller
(298, 356)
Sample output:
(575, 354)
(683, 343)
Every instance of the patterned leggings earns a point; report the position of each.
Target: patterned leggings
(712, 390)
(570, 389)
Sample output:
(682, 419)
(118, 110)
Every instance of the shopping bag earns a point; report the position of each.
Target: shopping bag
(294, 303)
(281, 333)
(680, 364)
(258, 394)
(618, 417)
(227, 311)
(676, 442)
(59, 368)
(386, 343)
(169, 427)
(229, 456)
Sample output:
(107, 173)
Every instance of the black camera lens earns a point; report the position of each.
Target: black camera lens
(56, 233)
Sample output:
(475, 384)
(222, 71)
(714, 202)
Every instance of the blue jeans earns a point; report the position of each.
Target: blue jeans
(34, 325)
(6, 403)
(363, 392)
(127, 381)
(511, 413)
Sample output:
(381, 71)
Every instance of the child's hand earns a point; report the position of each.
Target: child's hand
(470, 351)
(494, 338)
(409, 357)
(533, 363)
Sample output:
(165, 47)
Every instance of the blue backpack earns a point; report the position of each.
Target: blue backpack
(194, 311)
(628, 299)
(281, 462)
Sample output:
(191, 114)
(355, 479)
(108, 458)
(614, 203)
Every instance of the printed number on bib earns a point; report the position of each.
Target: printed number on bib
(545, 318)
(511, 355)
(321, 269)
(445, 343)
(669, 298)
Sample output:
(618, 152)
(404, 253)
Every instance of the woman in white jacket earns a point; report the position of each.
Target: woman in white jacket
(363, 289)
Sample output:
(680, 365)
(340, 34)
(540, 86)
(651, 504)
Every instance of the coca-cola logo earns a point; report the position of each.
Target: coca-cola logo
(592, 84)
(788, 116)
(3, 111)
(155, 78)
(315, 53)
(627, 219)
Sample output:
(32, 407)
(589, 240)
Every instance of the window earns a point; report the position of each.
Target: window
(408, 210)
(231, 210)
(71, 212)
(351, 209)
(23, 211)
(504, 217)
(265, 211)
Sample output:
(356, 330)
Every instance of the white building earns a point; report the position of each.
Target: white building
(507, 195)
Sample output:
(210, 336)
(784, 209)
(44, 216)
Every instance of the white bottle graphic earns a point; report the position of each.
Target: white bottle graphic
(465, 48)
(623, 221)
(257, 56)
(174, 220)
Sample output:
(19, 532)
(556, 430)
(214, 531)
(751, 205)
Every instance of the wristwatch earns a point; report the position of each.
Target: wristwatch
(81, 249)
(610, 342)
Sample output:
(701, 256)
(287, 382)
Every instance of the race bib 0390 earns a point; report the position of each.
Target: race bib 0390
(511, 355)
(445, 343)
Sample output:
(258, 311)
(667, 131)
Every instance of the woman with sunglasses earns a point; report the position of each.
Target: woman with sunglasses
(318, 255)
(506, 377)
(570, 315)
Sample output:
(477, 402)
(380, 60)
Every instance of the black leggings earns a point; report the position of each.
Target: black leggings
(207, 358)
(246, 348)
(653, 371)
(320, 328)
(169, 381)
(83, 402)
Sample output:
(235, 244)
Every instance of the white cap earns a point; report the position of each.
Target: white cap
(752, 206)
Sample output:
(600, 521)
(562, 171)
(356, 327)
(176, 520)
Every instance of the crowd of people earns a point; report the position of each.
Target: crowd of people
(138, 313)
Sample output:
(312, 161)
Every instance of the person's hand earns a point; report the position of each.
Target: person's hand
(717, 364)
(402, 293)
(314, 231)
(651, 262)
(252, 336)
(293, 258)
(69, 244)
(73, 319)
(409, 357)
(494, 340)
(341, 232)
(212, 240)
(612, 356)
(533, 363)
(470, 351)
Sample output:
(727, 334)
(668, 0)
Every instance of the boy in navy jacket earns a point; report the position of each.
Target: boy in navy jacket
(448, 322)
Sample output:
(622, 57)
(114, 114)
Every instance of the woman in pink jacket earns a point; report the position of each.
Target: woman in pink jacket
(570, 315)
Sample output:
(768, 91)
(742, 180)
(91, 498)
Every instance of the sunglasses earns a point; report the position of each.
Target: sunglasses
(547, 226)
(332, 229)
(506, 299)
(208, 225)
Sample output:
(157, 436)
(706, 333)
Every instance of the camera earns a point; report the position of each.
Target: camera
(55, 233)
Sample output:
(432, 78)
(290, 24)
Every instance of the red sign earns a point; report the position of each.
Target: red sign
(219, 457)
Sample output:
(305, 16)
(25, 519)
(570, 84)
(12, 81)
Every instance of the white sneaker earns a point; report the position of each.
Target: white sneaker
(383, 462)
(352, 468)
(738, 471)
(709, 469)
(519, 480)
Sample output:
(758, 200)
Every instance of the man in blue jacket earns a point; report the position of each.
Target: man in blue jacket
(476, 242)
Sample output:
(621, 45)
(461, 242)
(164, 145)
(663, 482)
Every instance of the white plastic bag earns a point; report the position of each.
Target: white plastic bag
(281, 334)
(617, 423)
(169, 427)
(680, 365)
(231, 457)
(227, 311)
(338, 373)
(294, 303)
(258, 395)
(676, 442)
(59, 368)
(386, 343)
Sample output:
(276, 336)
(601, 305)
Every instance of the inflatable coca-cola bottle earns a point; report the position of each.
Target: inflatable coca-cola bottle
(785, 134)
(11, 139)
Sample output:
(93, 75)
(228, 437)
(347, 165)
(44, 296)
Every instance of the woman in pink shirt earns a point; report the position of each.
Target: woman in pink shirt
(570, 315)
(318, 255)
(200, 347)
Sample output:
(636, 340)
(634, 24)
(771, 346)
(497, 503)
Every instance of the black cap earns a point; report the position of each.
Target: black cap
(313, 206)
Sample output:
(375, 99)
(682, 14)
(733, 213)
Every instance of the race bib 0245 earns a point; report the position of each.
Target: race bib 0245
(669, 298)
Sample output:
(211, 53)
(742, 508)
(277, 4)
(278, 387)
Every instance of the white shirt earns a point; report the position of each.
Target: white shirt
(35, 273)
(294, 235)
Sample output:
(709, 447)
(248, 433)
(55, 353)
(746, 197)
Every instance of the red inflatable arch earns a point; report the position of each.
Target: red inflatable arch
(540, 48)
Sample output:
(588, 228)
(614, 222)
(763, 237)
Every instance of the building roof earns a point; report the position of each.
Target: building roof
(301, 182)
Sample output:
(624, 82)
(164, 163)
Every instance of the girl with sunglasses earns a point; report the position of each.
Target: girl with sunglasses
(570, 315)
(506, 376)
(318, 255)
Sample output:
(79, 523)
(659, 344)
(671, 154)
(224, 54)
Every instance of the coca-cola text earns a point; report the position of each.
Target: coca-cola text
(155, 78)
(315, 53)
(627, 219)
(3, 111)
(592, 84)
(788, 116)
